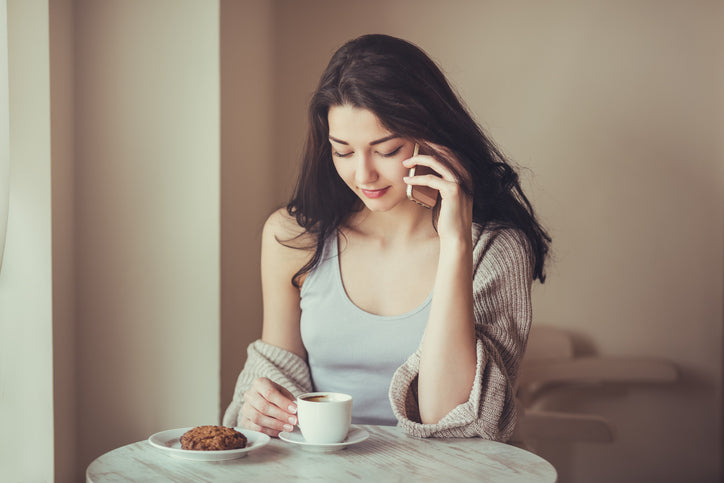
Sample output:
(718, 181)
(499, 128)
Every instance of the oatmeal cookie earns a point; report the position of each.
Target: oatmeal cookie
(212, 438)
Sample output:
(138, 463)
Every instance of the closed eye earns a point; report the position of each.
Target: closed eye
(340, 155)
(392, 153)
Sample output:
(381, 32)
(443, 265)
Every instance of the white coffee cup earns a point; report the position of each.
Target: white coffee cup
(324, 417)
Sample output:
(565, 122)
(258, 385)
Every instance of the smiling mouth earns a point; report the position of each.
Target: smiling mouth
(374, 193)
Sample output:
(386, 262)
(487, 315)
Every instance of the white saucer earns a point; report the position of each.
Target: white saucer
(169, 442)
(355, 435)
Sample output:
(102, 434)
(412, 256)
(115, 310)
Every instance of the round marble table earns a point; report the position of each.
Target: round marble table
(387, 455)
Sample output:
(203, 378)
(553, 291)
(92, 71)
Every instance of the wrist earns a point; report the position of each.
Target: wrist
(456, 244)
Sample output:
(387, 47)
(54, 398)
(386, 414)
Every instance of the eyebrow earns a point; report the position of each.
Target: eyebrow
(377, 141)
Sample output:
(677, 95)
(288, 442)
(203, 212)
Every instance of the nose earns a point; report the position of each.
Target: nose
(365, 171)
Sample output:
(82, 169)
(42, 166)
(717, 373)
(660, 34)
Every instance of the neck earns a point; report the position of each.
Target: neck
(404, 222)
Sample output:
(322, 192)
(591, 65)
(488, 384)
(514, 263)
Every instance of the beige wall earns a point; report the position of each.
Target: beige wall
(110, 288)
(26, 350)
(248, 189)
(131, 272)
(147, 218)
(62, 157)
(616, 108)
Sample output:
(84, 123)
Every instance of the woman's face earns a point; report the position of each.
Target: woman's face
(368, 157)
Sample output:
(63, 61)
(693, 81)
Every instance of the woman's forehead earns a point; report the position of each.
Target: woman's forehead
(348, 123)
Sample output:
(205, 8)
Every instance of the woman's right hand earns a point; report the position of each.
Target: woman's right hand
(268, 408)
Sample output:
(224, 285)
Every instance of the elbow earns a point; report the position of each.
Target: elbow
(429, 418)
(434, 414)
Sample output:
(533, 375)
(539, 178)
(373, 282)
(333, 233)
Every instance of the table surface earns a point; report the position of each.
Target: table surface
(387, 455)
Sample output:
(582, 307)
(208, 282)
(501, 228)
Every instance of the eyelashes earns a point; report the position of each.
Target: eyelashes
(392, 153)
(384, 155)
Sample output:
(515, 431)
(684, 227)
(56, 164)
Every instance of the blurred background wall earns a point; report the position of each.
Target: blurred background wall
(616, 112)
(147, 226)
(150, 139)
(109, 290)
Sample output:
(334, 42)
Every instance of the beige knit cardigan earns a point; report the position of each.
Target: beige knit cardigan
(502, 278)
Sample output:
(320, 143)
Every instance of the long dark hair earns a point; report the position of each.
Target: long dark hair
(410, 96)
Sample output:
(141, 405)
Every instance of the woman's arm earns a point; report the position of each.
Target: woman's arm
(502, 278)
(447, 361)
(267, 406)
(281, 298)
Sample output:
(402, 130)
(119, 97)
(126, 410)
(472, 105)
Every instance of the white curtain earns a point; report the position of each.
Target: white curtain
(4, 127)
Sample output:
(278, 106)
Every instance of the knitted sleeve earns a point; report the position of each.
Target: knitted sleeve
(266, 360)
(502, 279)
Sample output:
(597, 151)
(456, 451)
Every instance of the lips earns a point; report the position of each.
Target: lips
(374, 193)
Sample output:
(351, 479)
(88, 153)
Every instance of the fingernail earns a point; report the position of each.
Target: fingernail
(293, 420)
(288, 428)
(292, 409)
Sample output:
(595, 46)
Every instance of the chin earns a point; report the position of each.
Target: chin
(379, 206)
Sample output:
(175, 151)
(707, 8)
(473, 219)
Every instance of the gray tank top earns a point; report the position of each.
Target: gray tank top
(350, 350)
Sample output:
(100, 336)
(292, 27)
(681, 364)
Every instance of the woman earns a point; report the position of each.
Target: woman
(421, 314)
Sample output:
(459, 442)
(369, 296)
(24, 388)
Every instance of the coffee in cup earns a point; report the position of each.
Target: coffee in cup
(324, 417)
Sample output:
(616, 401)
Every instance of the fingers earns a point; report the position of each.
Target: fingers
(431, 162)
(447, 189)
(275, 394)
(265, 425)
(268, 408)
(448, 157)
(248, 424)
(433, 181)
(444, 162)
(447, 183)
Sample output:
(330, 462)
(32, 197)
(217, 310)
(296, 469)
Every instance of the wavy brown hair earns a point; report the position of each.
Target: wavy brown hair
(411, 97)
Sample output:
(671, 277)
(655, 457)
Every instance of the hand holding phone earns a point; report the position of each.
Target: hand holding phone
(422, 195)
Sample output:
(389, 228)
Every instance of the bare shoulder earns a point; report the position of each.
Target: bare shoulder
(286, 246)
(282, 224)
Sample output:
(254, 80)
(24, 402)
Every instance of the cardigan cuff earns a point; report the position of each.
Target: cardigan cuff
(267, 360)
(461, 422)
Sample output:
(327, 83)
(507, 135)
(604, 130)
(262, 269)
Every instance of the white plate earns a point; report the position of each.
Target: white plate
(170, 442)
(355, 435)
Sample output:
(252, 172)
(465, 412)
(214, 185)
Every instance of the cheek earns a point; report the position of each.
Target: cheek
(343, 170)
(398, 171)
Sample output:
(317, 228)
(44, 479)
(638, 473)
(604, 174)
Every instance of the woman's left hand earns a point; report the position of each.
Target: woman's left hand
(456, 205)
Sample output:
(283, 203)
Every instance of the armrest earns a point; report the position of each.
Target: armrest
(596, 370)
(536, 424)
